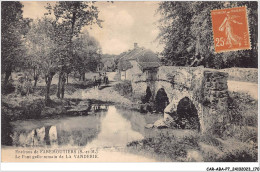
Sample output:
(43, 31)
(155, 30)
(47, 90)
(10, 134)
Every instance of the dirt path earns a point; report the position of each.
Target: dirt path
(107, 94)
(244, 87)
(111, 76)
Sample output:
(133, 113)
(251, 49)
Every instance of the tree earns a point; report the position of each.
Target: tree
(11, 37)
(72, 16)
(186, 31)
(42, 50)
(87, 54)
(175, 32)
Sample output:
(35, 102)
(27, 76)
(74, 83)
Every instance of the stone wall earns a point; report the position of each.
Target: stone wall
(206, 88)
(242, 74)
(214, 100)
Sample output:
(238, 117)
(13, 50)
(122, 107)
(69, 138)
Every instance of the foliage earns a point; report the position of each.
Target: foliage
(75, 14)
(6, 129)
(208, 148)
(244, 155)
(243, 117)
(242, 109)
(187, 34)
(8, 88)
(11, 41)
(43, 50)
(171, 146)
(11, 36)
(124, 88)
(70, 18)
(41, 47)
(87, 52)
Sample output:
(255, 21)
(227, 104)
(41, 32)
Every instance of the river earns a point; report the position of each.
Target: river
(106, 128)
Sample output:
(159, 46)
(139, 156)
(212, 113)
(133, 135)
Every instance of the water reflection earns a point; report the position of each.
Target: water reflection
(73, 131)
(98, 107)
(106, 126)
(36, 137)
(116, 131)
(139, 121)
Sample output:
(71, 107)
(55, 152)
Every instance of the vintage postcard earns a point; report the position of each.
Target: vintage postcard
(129, 81)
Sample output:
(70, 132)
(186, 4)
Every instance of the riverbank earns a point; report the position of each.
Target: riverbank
(32, 106)
(194, 147)
(78, 101)
(238, 142)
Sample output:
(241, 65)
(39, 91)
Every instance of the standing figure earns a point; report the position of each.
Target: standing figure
(99, 80)
(105, 79)
(63, 85)
(232, 39)
(95, 82)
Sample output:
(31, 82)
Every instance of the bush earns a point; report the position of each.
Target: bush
(173, 147)
(24, 86)
(238, 152)
(41, 90)
(250, 121)
(6, 130)
(238, 156)
(124, 88)
(242, 110)
(208, 148)
(8, 89)
(33, 109)
(242, 133)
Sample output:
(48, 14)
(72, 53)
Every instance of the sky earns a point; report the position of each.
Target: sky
(125, 23)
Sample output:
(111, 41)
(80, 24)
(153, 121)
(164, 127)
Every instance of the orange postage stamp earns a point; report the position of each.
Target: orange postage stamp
(230, 29)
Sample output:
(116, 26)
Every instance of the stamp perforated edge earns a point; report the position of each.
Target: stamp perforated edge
(248, 28)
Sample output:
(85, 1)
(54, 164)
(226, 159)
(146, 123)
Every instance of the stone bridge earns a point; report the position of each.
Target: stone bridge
(205, 88)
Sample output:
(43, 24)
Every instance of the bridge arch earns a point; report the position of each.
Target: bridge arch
(206, 88)
(187, 111)
(161, 100)
(184, 106)
(147, 96)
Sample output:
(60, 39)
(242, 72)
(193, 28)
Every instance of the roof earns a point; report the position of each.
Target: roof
(124, 65)
(133, 54)
(147, 56)
(149, 65)
(144, 57)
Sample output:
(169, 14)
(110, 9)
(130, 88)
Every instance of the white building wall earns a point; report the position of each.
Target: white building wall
(123, 75)
(135, 70)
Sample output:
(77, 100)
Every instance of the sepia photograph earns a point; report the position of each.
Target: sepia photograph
(129, 81)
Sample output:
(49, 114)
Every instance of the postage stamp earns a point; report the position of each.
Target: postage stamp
(230, 29)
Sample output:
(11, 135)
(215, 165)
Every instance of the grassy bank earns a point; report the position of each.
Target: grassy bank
(195, 147)
(238, 143)
(16, 106)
